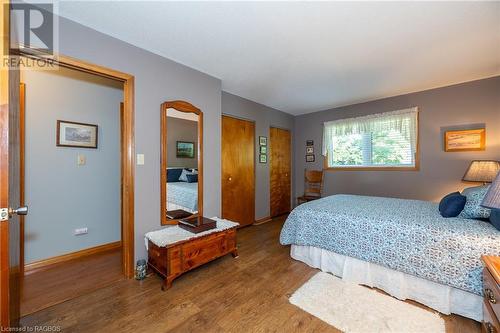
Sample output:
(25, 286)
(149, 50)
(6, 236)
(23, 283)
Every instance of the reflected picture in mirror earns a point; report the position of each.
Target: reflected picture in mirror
(185, 149)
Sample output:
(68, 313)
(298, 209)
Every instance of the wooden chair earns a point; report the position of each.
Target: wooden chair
(313, 186)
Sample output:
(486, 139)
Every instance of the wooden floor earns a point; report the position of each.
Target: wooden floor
(246, 294)
(64, 281)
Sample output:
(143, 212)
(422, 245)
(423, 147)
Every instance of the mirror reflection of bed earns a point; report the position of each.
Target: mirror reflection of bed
(182, 164)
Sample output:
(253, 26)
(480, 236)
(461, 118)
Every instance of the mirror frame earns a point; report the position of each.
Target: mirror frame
(187, 107)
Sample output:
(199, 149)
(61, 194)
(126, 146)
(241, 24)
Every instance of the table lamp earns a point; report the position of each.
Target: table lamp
(482, 171)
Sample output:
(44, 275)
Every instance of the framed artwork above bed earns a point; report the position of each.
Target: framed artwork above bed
(465, 140)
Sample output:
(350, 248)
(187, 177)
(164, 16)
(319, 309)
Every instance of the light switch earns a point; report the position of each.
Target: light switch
(81, 159)
(140, 159)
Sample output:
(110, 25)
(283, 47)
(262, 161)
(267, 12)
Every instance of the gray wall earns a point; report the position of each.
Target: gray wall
(157, 80)
(476, 102)
(181, 130)
(63, 196)
(264, 117)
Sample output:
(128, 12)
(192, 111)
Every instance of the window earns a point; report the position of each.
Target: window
(377, 141)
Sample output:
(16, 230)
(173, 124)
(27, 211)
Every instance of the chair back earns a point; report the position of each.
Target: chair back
(313, 182)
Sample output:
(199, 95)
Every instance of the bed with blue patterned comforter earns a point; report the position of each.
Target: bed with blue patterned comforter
(183, 194)
(405, 235)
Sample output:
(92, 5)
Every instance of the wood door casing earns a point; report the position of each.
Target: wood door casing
(280, 171)
(238, 170)
(9, 180)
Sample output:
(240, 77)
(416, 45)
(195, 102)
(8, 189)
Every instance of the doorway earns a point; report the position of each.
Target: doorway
(70, 145)
(238, 170)
(280, 171)
(10, 279)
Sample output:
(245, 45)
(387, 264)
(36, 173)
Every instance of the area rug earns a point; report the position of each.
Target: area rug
(352, 308)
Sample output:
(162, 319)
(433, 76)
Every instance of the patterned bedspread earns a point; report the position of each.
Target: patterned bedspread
(406, 235)
(183, 194)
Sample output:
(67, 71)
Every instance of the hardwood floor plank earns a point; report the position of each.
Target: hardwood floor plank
(246, 294)
(55, 284)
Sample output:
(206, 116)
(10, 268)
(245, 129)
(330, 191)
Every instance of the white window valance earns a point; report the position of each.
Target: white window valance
(404, 122)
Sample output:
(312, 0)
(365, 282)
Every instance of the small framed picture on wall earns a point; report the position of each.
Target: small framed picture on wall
(309, 150)
(73, 134)
(262, 141)
(263, 149)
(310, 158)
(263, 158)
(309, 142)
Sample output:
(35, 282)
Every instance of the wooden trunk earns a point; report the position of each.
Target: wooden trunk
(178, 258)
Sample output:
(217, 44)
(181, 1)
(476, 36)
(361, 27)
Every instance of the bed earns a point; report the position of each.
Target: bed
(182, 195)
(403, 247)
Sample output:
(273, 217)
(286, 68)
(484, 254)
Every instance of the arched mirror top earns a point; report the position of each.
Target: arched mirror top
(181, 106)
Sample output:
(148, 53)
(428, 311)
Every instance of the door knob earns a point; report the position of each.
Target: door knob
(20, 211)
(230, 178)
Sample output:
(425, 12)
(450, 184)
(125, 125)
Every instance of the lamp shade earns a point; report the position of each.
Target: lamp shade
(492, 198)
(482, 171)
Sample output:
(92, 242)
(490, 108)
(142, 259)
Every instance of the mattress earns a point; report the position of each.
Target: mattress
(183, 194)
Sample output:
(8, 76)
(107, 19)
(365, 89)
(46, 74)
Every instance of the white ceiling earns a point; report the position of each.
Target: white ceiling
(301, 57)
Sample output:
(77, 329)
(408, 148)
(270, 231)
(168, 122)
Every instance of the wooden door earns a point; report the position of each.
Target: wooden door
(9, 183)
(238, 170)
(280, 173)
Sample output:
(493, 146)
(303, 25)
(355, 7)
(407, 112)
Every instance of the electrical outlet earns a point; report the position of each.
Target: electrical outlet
(81, 231)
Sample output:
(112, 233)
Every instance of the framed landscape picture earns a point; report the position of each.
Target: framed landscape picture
(465, 140)
(185, 149)
(263, 149)
(72, 134)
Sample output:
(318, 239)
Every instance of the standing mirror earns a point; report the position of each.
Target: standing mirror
(181, 162)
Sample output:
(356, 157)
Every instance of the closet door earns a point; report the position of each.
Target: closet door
(280, 173)
(238, 170)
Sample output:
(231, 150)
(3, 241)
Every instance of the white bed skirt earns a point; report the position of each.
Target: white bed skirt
(444, 299)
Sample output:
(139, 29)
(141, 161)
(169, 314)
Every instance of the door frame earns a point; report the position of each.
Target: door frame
(128, 148)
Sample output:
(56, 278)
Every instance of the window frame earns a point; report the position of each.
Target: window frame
(416, 167)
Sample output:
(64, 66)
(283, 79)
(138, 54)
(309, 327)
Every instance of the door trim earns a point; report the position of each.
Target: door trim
(22, 143)
(45, 263)
(127, 158)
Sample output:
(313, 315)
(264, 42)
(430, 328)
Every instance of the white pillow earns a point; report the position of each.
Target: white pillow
(185, 172)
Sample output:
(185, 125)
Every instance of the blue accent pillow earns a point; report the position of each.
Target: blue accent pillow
(173, 175)
(452, 204)
(473, 208)
(495, 218)
(192, 178)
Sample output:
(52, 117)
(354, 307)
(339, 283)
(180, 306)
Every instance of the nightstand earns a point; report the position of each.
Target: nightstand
(491, 290)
